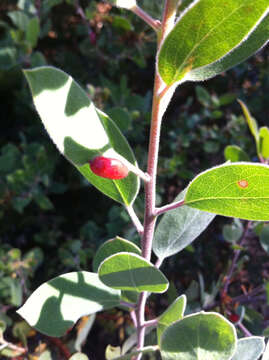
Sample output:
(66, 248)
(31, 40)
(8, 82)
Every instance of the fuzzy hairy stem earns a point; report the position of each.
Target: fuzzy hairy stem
(139, 227)
(155, 24)
(169, 207)
(161, 97)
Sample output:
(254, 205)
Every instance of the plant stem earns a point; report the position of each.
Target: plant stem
(161, 98)
(244, 329)
(168, 207)
(139, 227)
(155, 24)
(127, 304)
(235, 259)
(153, 322)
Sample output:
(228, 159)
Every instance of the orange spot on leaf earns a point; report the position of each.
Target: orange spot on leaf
(242, 184)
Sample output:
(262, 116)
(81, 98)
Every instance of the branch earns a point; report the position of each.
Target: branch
(139, 227)
(168, 207)
(159, 104)
(235, 259)
(155, 24)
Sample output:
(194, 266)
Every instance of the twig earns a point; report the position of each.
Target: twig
(133, 317)
(158, 263)
(127, 304)
(158, 108)
(244, 329)
(235, 259)
(153, 322)
(155, 24)
(139, 227)
(168, 207)
(5, 344)
(61, 346)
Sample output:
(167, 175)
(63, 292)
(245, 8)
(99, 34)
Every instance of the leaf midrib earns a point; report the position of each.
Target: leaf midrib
(199, 43)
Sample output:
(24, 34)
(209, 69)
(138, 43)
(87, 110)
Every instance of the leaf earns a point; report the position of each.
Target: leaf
(32, 32)
(238, 190)
(252, 124)
(10, 353)
(8, 58)
(173, 313)
(21, 331)
(83, 331)
(206, 32)
(264, 238)
(264, 142)
(79, 356)
(131, 272)
(16, 291)
(19, 19)
(80, 131)
(56, 305)
(112, 352)
(256, 40)
(113, 246)
(249, 348)
(46, 355)
(203, 336)
(232, 232)
(178, 228)
(234, 153)
(203, 96)
(133, 355)
(121, 117)
(266, 352)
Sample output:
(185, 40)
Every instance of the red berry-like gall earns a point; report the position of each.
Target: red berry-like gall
(108, 168)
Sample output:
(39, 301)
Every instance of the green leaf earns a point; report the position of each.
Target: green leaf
(264, 238)
(264, 142)
(21, 330)
(79, 356)
(121, 23)
(15, 291)
(127, 271)
(200, 336)
(80, 131)
(46, 355)
(249, 348)
(203, 96)
(173, 313)
(121, 117)
(8, 58)
(233, 232)
(205, 33)
(252, 124)
(84, 331)
(256, 40)
(19, 19)
(32, 32)
(56, 305)
(112, 352)
(113, 246)
(178, 228)
(234, 153)
(10, 353)
(43, 201)
(238, 190)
